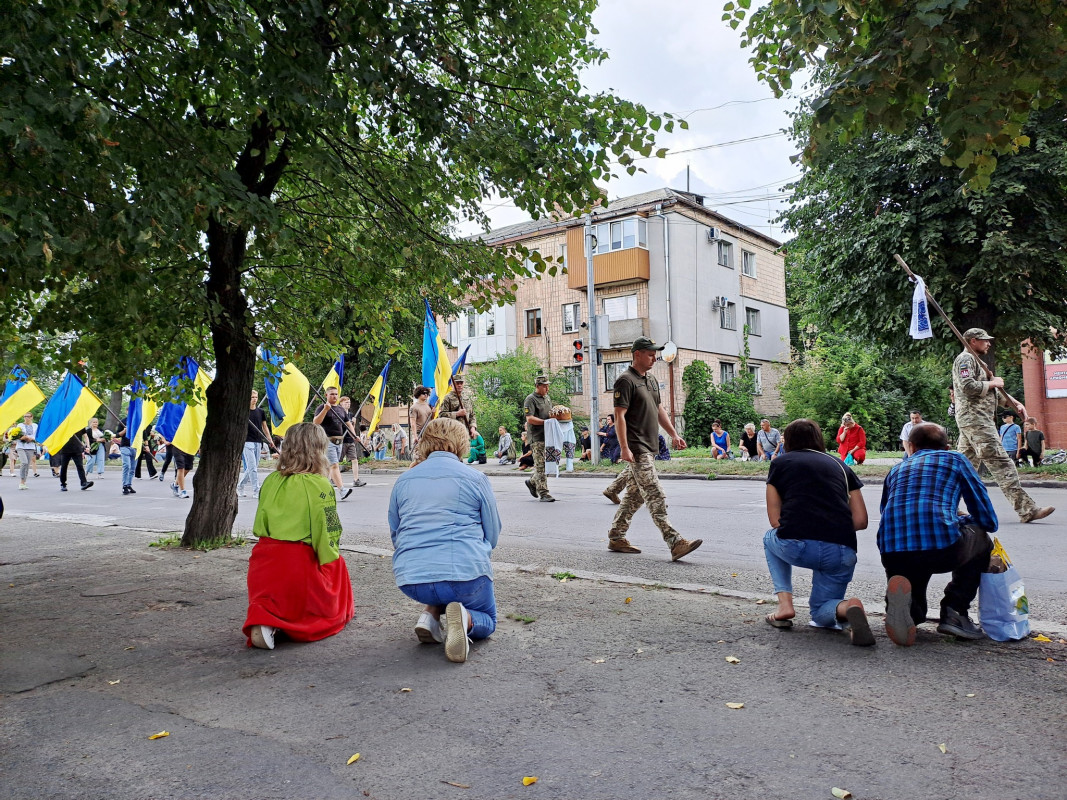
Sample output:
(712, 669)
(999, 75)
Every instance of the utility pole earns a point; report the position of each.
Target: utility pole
(594, 400)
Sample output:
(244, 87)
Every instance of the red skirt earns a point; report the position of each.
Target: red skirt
(288, 589)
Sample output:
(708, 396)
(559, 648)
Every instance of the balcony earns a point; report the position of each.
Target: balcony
(624, 332)
(618, 266)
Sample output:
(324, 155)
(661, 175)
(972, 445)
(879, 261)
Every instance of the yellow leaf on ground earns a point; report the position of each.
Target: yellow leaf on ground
(843, 794)
(405, 690)
(112, 683)
(760, 602)
(352, 760)
(1041, 638)
(529, 780)
(735, 705)
(629, 599)
(733, 574)
(733, 660)
(159, 735)
(942, 748)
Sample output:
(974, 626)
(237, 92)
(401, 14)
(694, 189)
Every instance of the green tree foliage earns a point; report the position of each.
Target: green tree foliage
(500, 387)
(994, 62)
(181, 177)
(731, 403)
(842, 374)
(995, 260)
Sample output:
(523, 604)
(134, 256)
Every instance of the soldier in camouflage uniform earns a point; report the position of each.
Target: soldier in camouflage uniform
(638, 417)
(538, 408)
(976, 405)
(458, 404)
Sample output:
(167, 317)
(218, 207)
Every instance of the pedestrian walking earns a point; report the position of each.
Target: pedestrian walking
(73, 450)
(976, 405)
(26, 448)
(334, 421)
(147, 455)
(96, 447)
(538, 407)
(351, 449)
(183, 465)
(256, 434)
(639, 414)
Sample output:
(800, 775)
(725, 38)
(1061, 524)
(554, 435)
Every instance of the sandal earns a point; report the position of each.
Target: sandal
(774, 622)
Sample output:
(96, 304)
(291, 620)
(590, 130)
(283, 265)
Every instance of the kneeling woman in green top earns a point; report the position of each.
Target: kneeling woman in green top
(297, 581)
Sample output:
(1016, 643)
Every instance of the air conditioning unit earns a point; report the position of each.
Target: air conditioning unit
(714, 234)
(719, 302)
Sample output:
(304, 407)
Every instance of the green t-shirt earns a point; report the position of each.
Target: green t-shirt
(640, 397)
(540, 407)
(300, 508)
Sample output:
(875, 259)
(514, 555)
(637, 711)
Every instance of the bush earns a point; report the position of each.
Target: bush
(731, 403)
(500, 387)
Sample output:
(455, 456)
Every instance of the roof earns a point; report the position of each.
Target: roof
(666, 196)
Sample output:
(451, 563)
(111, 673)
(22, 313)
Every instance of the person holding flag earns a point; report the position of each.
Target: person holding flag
(62, 426)
(334, 420)
(458, 404)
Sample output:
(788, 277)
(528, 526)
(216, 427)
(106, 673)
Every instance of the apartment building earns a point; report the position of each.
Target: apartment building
(665, 266)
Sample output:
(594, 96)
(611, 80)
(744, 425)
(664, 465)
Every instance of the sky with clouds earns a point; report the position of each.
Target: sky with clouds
(678, 56)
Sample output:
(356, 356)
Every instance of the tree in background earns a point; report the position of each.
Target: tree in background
(993, 63)
(995, 259)
(500, 387)
(842, 373)
(189, 179)
(730, 402)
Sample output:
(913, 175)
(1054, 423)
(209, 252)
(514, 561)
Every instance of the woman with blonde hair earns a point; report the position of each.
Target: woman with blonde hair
(444, 524)
(298, 583)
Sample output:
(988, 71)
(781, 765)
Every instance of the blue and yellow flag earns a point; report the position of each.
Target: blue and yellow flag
(436, 371)
(180, 423)
(20, 396)
(67, 412)
(288, 391)
(377, 394)
(139, 415)
(336, 376)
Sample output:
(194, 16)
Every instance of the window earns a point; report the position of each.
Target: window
(533, 322)
(752, 321)
(748, 263)
(563, 255)
(757, 379)
(726, 254)
(490, 322)
(624, 307)
(612, 371)
(531, 266)
(472, 321)
(726, 372)
(574, 379)
(572, 315)
(621, 235)
(728, 317)
(452, 330)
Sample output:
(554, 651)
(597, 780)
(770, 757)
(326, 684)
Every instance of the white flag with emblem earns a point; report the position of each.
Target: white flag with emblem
(920, 313)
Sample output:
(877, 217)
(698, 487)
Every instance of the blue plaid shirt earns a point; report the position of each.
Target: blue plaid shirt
(921, 499)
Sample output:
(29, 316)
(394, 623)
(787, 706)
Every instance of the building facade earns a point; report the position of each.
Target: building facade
(665, 266)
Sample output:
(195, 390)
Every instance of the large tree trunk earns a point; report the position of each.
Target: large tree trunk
(233, 340)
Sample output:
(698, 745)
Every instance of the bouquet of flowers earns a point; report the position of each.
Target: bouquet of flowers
(15, 433)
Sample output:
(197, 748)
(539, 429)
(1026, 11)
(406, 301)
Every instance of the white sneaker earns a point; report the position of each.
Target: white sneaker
(428, 630)
(262, 636)
(457, 643)
(184, 495)
(23, 486)
(240, 492)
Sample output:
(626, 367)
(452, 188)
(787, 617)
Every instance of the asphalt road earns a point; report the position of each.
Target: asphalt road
(572, 534)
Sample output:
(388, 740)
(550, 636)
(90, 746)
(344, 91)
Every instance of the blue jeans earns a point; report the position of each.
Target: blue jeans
(831, 568)
(99, 458)
(477, 597)
(128, 459)
(250, 465)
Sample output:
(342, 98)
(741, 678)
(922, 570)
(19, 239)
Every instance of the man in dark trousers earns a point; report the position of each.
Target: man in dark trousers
(639, 415)
(73, 451)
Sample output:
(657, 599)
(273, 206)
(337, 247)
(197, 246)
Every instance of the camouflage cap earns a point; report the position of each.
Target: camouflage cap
(975, 333)
(644, 343)
(542, 380)
(458, 378)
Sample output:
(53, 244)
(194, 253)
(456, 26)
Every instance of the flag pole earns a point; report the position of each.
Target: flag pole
(989, 372)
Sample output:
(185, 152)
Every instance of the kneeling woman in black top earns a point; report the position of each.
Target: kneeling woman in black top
(815, 507)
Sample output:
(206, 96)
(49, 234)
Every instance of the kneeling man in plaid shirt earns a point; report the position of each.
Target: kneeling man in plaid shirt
(923, 533)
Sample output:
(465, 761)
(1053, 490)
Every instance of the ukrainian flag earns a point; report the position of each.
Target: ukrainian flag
(67, 412)
(436, 371)
(377, 393)
(139, 415)
(180, 423)
(20, 396)
(287, 390)
(336, 376)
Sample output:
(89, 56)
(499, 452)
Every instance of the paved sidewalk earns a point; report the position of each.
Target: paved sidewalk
(106, 641)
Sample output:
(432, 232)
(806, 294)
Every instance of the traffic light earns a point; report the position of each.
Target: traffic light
(579, 351)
